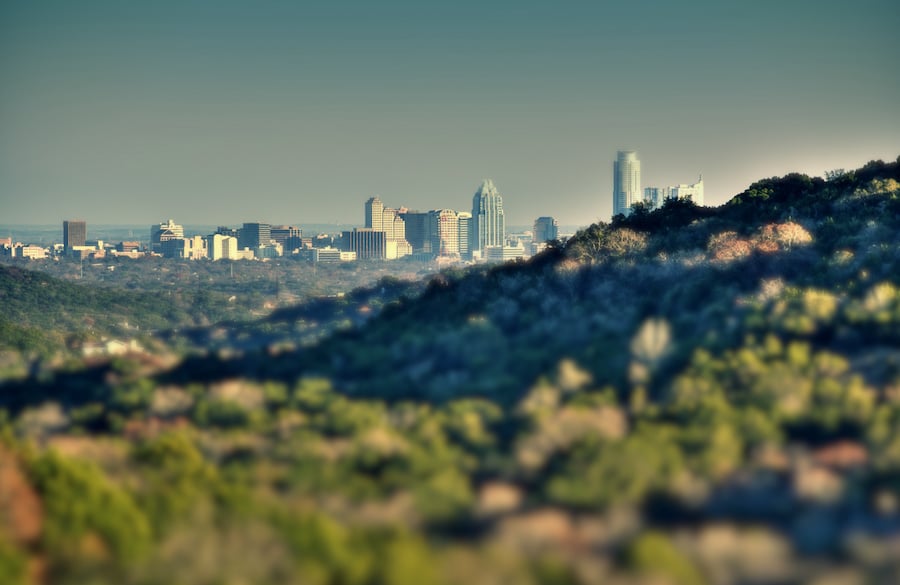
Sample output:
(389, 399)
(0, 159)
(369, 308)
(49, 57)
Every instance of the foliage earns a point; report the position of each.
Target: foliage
(686, 395)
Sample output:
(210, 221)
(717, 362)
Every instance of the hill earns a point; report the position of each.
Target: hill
(686, 394)
(43, 315)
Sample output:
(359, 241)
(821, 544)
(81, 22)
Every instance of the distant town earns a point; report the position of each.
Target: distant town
(445, 236)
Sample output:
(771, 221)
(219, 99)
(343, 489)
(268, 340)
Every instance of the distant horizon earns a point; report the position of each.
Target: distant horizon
(121, 111)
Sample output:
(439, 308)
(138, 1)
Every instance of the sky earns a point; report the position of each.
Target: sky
(220, 112)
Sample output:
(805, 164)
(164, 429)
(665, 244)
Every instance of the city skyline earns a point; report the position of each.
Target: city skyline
(122, 112)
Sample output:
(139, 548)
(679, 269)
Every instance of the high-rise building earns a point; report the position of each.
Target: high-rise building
(369, 244)
(254, 235)
(374, 214)
(416, 228)
(74, 233)
(626, 182)
(388, 220)
(464, 219)
(443, 232)
(164, 232)
(290, 237)
(546, 229)
(487, 216)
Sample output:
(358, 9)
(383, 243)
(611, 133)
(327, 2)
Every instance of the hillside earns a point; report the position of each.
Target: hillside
(43, 315)
(689, 395)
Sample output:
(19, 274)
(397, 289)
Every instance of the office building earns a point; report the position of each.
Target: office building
(504, 253)
(487, 216)
(164, 232)
(626, 182)
(74, 234)
(228, 231)
(416, 228)
(254, 235)
(374, 211)
(464, 220)
(443, 232)
(369, 244)
(546, 229)
(192, 248)
(327, 255)
(693, 191)
(29, 251)
(288, 236)
(219, 247)
(388, 220)
(656, 196)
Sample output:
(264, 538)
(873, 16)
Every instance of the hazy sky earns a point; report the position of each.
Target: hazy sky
(222, 111)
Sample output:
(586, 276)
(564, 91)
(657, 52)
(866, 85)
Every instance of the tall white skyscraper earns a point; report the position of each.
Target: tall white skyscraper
(626, 182)
(487, 216)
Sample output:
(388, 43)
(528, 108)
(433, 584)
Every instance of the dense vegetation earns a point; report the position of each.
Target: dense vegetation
(685, 395)
(53, 308)
(41, 315)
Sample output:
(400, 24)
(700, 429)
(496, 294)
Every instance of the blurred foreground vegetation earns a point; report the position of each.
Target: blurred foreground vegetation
(684, 396)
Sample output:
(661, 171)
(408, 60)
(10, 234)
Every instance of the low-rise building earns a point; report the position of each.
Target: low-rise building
(503, 253)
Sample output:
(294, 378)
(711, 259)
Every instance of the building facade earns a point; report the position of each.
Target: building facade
(374, 210)
(656, 196)
(192, 248)
(546, 229)
(415, 228)
(464, 219)
(74, 234)
(164, 232)
(368, 243)
(503, 253)
(626, 182)
(288, 236)
(443, 232)
(219, 247)
(254, 235)
(487, 216)
(388, 220)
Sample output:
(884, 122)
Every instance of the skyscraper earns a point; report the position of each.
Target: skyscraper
(388, 220)
(74, 233)
(464, 219)
(546, 229)
(290, 237)
(626, 182)
(254, 235)
(374, 214)
(443, 232)
(487, 217)
(416, 224)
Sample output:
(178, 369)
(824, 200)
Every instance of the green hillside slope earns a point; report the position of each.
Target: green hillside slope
(685, 395)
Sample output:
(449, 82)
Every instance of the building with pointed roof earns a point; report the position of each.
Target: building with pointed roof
(488, 221)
